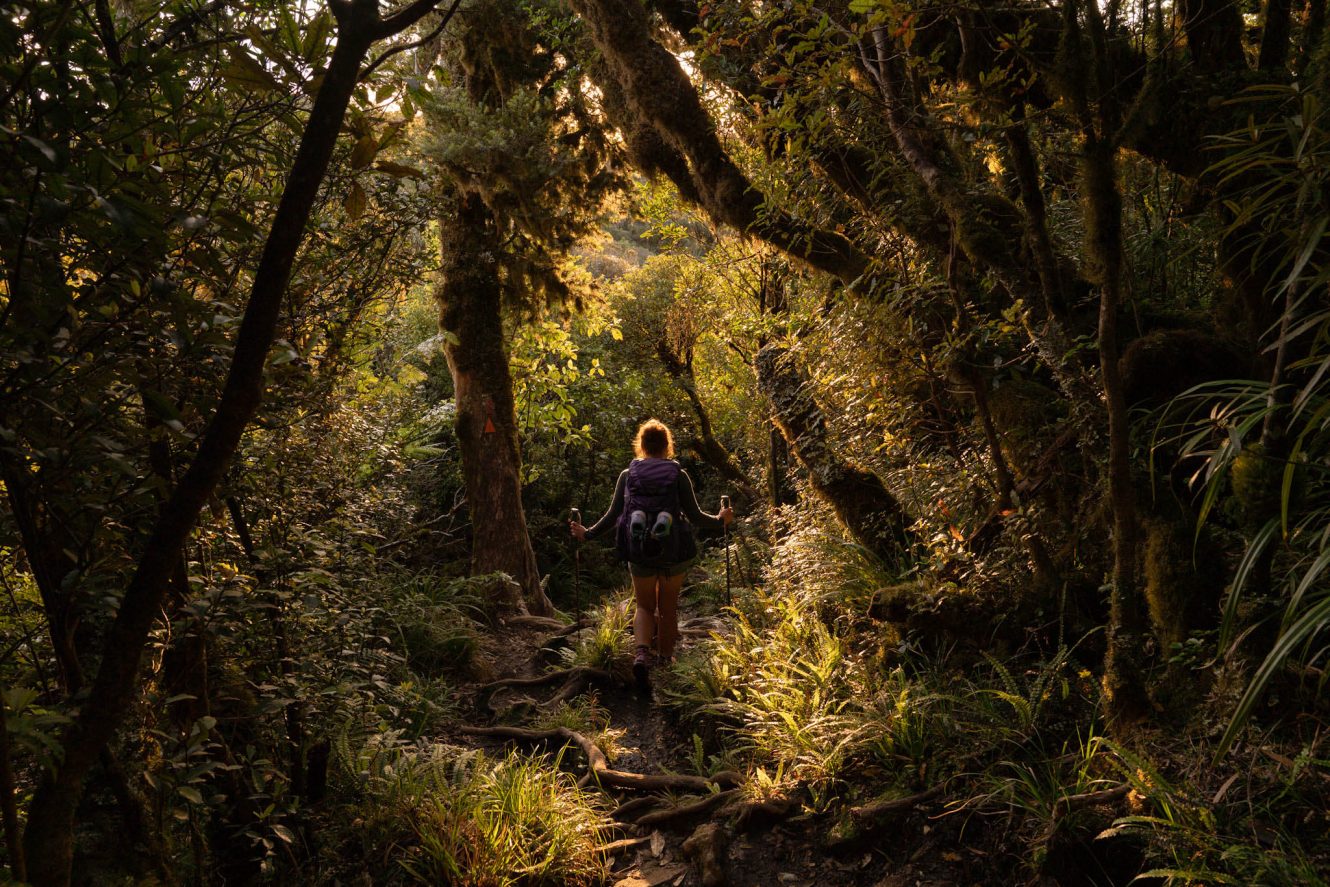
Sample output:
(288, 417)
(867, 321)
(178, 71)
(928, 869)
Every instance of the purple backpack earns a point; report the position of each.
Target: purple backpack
(651, 531)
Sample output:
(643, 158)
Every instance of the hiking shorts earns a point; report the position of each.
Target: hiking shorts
(641, 571)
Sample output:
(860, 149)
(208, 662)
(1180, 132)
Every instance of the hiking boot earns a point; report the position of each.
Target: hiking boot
(641, 669)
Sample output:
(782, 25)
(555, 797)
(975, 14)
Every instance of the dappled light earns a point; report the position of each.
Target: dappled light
(524, 443)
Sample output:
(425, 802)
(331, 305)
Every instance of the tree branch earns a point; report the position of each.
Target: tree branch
(387, 54)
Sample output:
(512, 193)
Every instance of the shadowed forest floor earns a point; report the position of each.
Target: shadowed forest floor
(755, 843)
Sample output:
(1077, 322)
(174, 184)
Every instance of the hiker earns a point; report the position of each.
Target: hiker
(653, 505)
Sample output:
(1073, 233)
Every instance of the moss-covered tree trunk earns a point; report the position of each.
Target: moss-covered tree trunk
(471, 316)
(862, 503)
(666, 129)
(1124, 668)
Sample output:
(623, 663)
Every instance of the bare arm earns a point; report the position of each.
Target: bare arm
(608, 519)
(688, 504)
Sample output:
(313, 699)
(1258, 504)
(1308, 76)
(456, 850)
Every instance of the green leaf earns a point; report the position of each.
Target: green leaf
(191, 794)
(316, 37)
(362, 155)
(248, 74)
(399, 170)
(355, 202)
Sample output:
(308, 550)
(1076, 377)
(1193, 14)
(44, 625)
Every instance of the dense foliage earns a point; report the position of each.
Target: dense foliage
(1005, 326)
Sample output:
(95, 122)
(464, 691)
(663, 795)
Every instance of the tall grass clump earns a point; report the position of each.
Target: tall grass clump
(440, 815)
(608, 642)
(797, 686)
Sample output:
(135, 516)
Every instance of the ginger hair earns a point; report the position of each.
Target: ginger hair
(653, 440)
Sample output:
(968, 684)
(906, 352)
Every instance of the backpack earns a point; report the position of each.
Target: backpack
(651, 531)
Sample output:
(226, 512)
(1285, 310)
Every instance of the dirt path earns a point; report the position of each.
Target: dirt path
(730, 839)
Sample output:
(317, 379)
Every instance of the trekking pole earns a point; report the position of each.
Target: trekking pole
(724, 504)
(575, 515)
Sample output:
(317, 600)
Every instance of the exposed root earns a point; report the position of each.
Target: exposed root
(598, 766)
(747, 815)
(623, 844)
(1069, 803)
(895, 805)
(570, 630)
(576, 681)
(657, 818)
(628, 810)
(525, 621)
(552, 677)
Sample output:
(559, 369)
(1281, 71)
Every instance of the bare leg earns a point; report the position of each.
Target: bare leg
(667, 620)
(644, 614)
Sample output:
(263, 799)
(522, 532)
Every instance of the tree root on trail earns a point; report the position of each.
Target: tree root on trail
(523, 620)
(895, 805)
(657, 818)
(598, 767)
(623, 844)
(629, 810)
(1068, 803)
(752, 813)
(575, 681)
(557, 627)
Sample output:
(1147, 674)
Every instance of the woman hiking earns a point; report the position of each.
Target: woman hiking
(654, 503)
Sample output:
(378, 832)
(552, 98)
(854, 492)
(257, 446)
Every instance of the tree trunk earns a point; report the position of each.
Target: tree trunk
(869, 512)
(1275, 35)
(778, 457)
(471, 316)
(1214, 33)
(48, 548)
(1124, 667)
(49, 835)
(668, 130)
(18, 870)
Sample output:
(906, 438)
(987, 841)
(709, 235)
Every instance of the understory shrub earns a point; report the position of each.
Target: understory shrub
(442, 815)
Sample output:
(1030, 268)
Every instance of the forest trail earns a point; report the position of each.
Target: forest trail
(681, 832)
